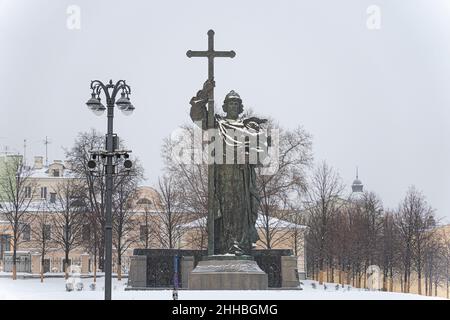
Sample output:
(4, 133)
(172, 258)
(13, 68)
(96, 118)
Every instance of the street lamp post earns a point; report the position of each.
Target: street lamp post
(123, 103)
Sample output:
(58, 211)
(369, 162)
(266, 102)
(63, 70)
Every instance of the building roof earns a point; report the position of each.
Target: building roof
(44, 173)
(39, 205)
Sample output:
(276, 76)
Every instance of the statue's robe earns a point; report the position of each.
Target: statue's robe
(236, 199)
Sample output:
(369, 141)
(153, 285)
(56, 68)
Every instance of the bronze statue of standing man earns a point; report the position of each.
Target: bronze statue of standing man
(233, 200)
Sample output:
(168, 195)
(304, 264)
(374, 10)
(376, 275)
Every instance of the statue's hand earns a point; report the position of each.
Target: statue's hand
(255, 120)
(209, 85)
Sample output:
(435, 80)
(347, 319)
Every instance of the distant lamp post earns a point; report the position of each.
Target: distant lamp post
(111, 153)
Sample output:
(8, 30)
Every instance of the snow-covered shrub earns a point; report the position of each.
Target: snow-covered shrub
(69, 285)
(79, 286)
(92, 286)
(313, 285)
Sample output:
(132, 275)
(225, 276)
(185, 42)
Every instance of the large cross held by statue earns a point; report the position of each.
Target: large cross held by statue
(211, 54)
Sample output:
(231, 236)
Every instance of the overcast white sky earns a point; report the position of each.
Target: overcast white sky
(379, 99)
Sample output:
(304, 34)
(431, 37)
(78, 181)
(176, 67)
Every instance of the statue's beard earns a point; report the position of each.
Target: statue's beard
(232, 116)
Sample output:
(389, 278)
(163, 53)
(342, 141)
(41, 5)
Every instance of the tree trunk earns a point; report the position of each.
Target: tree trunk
(14, 275)
(119, 262)
(447, 288)
(430, 286)
(408, 283)
(95, 267)
(101, 257)
(42, 269)
(320, 277)
(419, 283)
(66, 265)
(446, 280)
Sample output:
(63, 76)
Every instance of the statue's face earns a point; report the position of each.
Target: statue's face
(233, 107)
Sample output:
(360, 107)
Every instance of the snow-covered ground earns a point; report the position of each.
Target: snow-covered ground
(54, 289)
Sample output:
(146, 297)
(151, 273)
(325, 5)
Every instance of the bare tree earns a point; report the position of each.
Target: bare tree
(145, 231)
(323, 194)
(41, 234)
(414, 220)
(125, 184)
(16, 191)
(276, 190)
(297, 217)
(95, 187)
(424, 228)
(90, 240)
(69, 211)
(388, 250)
(435, 262)
(372, 223)
(446, 260)
(95, 193)
(170, 216)
(191, 186)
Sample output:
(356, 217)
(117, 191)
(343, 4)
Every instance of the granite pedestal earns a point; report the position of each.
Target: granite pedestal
(227, 272)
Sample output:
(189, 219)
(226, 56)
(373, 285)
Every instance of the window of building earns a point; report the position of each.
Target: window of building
(43, 192)
(143, 234)
(27, 192)
(56, 173)
(52, 197)
(26, 232)
(5, 244)
(47, 231)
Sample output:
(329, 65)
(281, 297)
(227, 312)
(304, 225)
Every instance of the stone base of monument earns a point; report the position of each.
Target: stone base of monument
(227, 272)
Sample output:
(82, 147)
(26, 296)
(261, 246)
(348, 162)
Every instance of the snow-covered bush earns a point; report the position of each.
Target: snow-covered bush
(69, 285)
(79, 286)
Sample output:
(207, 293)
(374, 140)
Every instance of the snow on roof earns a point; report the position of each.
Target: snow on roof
(17, 252)
(41, 205)
(261, 221)
(43, 173)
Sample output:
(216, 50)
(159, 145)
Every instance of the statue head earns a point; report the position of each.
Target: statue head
(232, 105)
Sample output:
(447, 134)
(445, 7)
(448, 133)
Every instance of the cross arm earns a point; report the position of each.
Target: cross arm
(230, 54)
(191, 53)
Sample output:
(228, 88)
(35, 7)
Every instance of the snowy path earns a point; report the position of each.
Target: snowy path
(54, 289)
